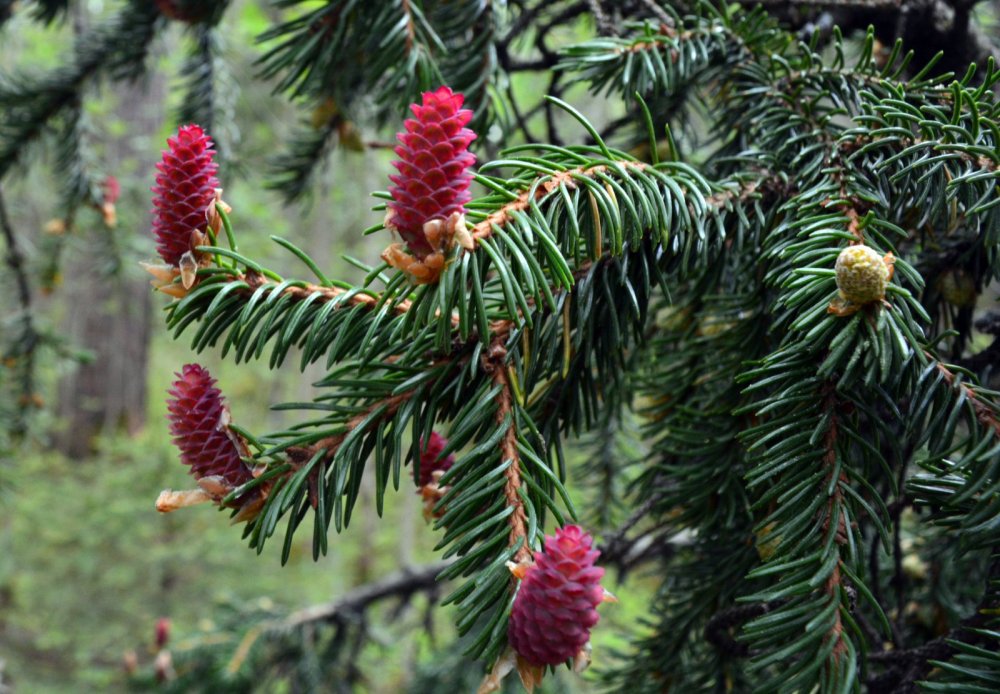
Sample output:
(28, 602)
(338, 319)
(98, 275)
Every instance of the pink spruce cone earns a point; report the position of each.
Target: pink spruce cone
(162, 632)
(555, 606)
(430, 459)
(434, 178)
(185, 187)
(196, 411)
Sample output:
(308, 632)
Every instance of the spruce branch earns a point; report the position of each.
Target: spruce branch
(25, 338)
(29, 102)
(200, 68)
(518, 538)
(986, 412)
(784, 435)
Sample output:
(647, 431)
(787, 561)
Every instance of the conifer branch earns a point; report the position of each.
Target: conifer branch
(540, 188)
(385, 409)
(29, 102)
(985, 414)
(780, 431)
(836, 477)
(302, 291)
(518, 537)
(24, 342)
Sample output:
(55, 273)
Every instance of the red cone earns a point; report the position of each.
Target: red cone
(434, 178)
(185, 187)
(430, 459)
(555, 606)
(196, 412)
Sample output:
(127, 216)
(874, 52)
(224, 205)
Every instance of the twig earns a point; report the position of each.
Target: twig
(833, 584)
(332, 443)
(494, 363)
(400, 584)
(502, 216)
(29, 335)
(658, 12)
(719, 627)
(604, 25)
(986, 416)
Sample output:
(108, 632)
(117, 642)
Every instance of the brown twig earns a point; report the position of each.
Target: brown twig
(410, 32)
(255, 280)
(401, 584)
(494, 364)
(331, 443)
(484, 229)
(985, 415)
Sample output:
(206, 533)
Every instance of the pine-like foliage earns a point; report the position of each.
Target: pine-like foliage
(829, 470)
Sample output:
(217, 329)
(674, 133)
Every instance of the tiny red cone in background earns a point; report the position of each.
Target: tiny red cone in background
(555, 606)
(430, 459)
(111, 189)
(189, 11)
(196, 412)
(162, 632)
(434, 178)
(185, 187)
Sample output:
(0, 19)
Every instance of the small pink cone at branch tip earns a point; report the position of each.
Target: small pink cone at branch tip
(185, 188)
(434, 178)
(199, 423)
(432, 184)
(432, 469)
(162, 632)
(555, 607)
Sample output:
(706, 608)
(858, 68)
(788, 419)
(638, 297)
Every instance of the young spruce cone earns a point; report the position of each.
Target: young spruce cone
(198, 418)
(431, 461)
(555, 606)
(189, 11)
(185, 188)
(862, 274)
(433, 179)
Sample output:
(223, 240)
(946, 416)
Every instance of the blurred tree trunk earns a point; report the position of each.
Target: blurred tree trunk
(110, 304)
